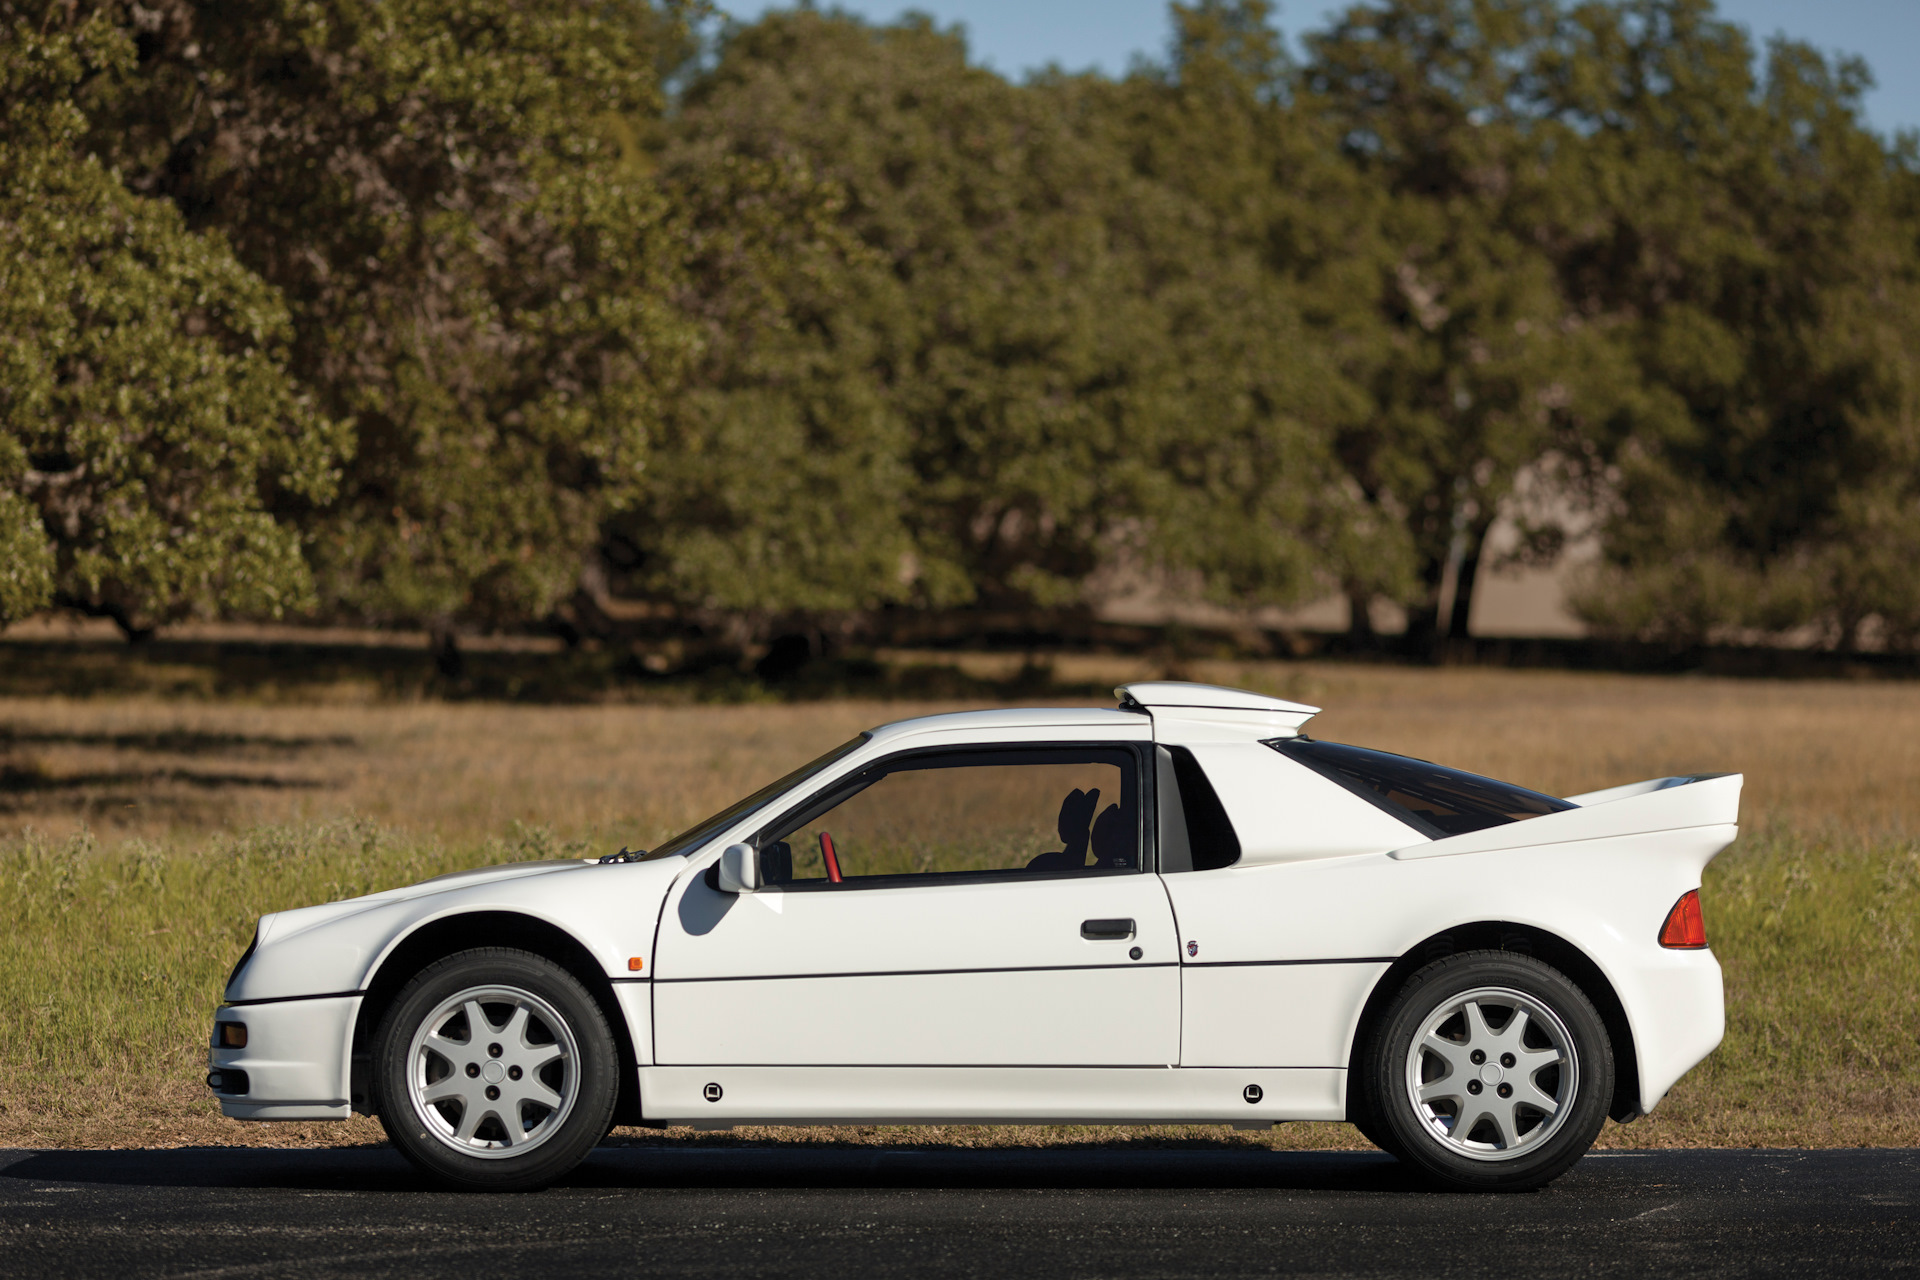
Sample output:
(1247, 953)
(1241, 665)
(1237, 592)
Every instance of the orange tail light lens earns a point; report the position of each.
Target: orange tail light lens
(1684, 928)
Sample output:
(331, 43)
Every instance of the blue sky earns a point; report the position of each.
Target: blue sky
(1014, 36)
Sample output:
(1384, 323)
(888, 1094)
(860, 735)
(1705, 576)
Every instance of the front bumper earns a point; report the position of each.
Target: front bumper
(295, 1063)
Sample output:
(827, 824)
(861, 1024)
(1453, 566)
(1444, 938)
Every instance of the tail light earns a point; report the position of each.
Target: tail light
(1684, 928)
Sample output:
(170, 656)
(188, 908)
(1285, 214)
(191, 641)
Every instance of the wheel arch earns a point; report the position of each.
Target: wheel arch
(1521, 939)
(447, 935)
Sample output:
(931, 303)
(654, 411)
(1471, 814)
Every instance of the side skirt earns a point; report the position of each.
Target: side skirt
(991, 1095)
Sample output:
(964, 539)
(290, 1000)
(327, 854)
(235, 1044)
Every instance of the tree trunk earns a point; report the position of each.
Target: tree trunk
(1361, 637)
(1462, 612)
(1423, 617)
(133, 629)
(135, 632)
(444, 643)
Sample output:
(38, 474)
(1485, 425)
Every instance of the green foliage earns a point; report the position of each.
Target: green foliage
(1035, 365)
(1756, 246)
(1272, 334)
(147, 419)
(778, 482)
(436, 189)
(1817, 940)
(447, 313)
(1478, 367)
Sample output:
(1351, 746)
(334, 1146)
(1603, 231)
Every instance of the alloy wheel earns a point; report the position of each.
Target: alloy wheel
(493, 1071)
(1491, 1073)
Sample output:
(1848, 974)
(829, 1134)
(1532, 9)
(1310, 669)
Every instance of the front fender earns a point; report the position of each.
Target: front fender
(611, 910)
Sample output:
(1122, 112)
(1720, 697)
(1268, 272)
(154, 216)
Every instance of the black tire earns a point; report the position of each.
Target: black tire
(1510, 1144)
(574, 1062)
(1363, 1113)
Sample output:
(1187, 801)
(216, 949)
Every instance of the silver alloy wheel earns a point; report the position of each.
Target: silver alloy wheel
(1487, 1091)
(493, 1071)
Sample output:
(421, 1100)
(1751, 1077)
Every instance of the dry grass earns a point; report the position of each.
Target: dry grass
(139, 838)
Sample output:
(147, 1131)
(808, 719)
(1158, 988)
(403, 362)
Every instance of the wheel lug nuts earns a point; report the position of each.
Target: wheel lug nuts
(1506, 1091)
(493, 1094)
(1506, 1059)
(513, 1073)
(473, 1069)
(493, 1051)
(1473, 1086)
(1476, 1057)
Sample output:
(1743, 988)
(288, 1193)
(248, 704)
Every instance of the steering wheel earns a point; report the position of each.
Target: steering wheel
(827, 856)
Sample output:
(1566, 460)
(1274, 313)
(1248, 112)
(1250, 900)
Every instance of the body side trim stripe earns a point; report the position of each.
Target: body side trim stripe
(324, 995)
(1032, 968)
(961, 1066)
(919, 1066)
(1248, 964)
(923, 973)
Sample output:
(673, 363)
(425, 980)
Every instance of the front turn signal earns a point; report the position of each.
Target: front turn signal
(1684, 928)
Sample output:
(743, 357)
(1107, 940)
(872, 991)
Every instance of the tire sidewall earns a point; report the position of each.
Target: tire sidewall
(1432, 987)
(597, 1069)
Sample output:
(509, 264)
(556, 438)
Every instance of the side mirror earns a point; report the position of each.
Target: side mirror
(739, 869)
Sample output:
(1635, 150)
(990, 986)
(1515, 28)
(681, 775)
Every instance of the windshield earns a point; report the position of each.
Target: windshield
(1430, 798)
(692, 838)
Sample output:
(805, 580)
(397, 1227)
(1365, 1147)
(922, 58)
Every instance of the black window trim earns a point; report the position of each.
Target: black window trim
(1177, 855)
(845, 788)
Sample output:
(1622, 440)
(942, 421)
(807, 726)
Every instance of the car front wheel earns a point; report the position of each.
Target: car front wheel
(496, 1070)
(1490, 1071)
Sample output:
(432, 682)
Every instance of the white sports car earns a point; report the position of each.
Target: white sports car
(1184, 910)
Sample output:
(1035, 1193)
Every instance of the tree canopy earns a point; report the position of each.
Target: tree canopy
(148, 418)
(468, 316)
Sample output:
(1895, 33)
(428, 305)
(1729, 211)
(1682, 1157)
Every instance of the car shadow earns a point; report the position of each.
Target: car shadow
(799, 1167)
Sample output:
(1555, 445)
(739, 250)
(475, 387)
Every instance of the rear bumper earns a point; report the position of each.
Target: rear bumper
(295, 1062)
(1677, 1006)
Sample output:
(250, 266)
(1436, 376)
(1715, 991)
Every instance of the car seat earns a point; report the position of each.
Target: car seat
(1076, 811)
(1114, 841)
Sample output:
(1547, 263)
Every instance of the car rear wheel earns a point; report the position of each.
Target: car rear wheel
(1490, 1071)
(496, 1070)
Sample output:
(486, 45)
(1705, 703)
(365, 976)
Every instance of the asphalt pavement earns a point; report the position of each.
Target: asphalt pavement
(1056, 1212)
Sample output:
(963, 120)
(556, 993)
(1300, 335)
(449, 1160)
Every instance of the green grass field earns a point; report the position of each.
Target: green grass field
(130, 877)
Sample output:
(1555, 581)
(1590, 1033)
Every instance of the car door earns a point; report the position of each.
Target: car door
(952, 907)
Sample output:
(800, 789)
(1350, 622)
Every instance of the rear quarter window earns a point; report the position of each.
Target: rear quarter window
(1428, 797)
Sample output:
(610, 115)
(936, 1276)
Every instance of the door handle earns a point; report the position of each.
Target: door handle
(1106, 930)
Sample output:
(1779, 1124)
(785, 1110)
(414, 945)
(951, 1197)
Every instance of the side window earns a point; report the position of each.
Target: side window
(1195, 833)
(1045, 811)
(1430, 798)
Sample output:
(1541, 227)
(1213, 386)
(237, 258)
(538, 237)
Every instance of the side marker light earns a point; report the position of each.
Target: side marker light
(230, 1035)
(635, 964)
(1684, 929)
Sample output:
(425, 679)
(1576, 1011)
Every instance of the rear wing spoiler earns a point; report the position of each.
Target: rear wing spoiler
(1638, 808)
(1587, 799)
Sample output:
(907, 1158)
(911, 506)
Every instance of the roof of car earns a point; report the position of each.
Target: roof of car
(1015, 718)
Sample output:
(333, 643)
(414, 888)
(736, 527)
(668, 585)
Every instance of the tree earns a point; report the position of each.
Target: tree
(1273, 251)
(1486, 370)
(1765, 475)
(475, 278)
(1045, 371)
(778, 484)
(148, 423)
